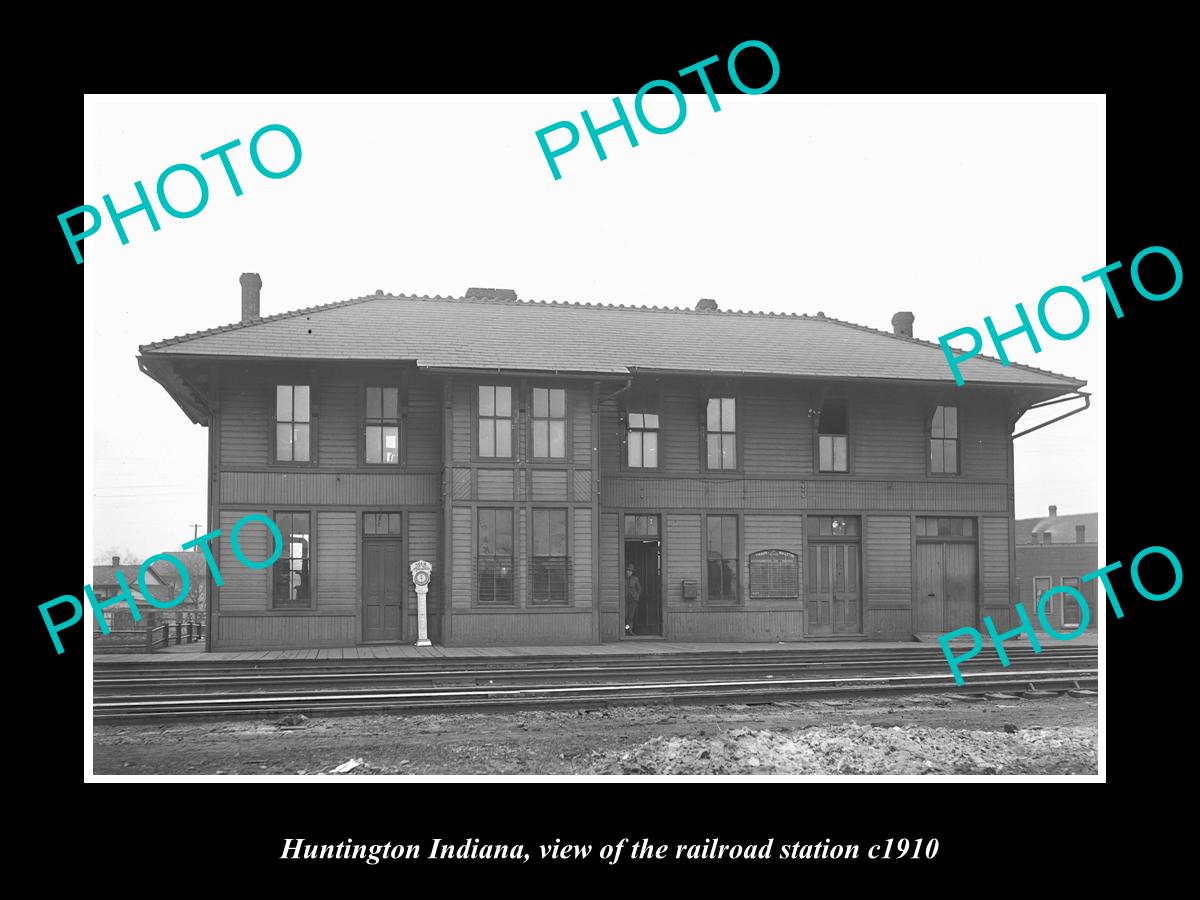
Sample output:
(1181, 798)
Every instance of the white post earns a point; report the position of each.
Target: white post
(420, 576)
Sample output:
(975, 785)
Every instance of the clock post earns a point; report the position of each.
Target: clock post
(420, 576)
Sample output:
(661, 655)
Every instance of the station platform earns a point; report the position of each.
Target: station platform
(195, 653)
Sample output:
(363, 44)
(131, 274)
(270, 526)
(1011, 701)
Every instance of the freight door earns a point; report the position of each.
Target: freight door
(947, 576)
(383, 590)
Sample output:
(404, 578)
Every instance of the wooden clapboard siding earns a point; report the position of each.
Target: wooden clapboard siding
(463, 548)
(246, 416)
(684, 557)
(244, 588)
(423, 428)
(521, 547)
(841, 494)
(994, 554)
(286, 631)
(581, 560)
(610, 625)
(887, 558)
(495, 484)
(339, 407)
(700, 624)
(887, 436)
(579, 402)
(611, 446)
(515, 627)
(778, 434)
(679, 439)
(461, 416)
(772, 533)
(548, 484)
(301, 488)
(610, 561)
(983, 442)
(335, 554)
(891, 622)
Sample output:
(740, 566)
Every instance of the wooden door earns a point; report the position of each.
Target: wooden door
(947, 576)
(930, 598)
(383, 590)
(960, 586)
(833, 600)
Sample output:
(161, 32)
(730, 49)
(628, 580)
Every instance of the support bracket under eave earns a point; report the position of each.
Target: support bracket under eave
(188, 399)
(1077, 395)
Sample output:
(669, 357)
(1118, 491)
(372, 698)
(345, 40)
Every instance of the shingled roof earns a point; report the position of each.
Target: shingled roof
(501, 333)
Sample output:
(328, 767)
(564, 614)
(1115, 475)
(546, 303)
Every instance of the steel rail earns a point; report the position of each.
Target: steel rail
(559, 695)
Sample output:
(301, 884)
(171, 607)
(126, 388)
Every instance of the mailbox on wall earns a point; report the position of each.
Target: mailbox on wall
(691, 590)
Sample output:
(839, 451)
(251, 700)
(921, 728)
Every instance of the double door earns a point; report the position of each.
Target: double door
(947, 593)
(834, 596)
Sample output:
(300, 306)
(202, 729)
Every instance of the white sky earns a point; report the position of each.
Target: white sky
(952, 209)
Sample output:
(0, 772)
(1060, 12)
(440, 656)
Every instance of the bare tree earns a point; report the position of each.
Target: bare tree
(127, 556)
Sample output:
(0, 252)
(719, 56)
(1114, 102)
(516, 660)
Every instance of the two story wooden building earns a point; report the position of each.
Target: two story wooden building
(769, 477)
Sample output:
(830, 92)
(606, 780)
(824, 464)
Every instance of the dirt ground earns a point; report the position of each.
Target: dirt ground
(920, 734)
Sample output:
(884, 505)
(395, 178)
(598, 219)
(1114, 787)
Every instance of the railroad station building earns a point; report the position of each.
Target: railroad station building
(583, 473)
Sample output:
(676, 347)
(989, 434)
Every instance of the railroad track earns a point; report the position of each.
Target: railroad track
(383, 685)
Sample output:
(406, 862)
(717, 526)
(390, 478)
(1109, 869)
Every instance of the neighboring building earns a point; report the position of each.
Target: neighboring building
(159, 582)
(771, 477)
(1054, 551)
(192, 608)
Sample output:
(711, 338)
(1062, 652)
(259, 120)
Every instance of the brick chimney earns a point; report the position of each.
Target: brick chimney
(706, 304)
(486, 293)
(1080, 532)
(116, 561)
(1054, 512)
(251, 285)
(902, 324)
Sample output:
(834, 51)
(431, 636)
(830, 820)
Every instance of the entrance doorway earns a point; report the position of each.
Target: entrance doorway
(643, 551)
(383, 578)
(947, 575)
(833, 602)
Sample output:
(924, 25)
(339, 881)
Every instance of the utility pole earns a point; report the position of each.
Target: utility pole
(195, 530)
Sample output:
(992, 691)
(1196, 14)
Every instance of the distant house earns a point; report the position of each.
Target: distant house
(1058, 550)
(105, 586)
(191, 609)
(162, 581)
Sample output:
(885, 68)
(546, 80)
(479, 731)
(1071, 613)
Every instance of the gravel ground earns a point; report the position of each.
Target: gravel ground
(1054, 734)
(854, 749)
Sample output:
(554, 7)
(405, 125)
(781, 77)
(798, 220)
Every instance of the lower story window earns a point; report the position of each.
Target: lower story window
(292, 574)
(495, 560)
(722, 559)
(1071, 611)
(550, 560)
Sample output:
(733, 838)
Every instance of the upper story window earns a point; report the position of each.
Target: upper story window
(833, 437)
(381, 439)
(293, 423)
(495, 421)
(549, 423)
(721, 432)
(943, 441)
(641, 440)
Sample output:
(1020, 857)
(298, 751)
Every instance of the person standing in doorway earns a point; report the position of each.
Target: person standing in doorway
(633, 596)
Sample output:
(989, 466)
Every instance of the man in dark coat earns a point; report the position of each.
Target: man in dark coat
(633, 596)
